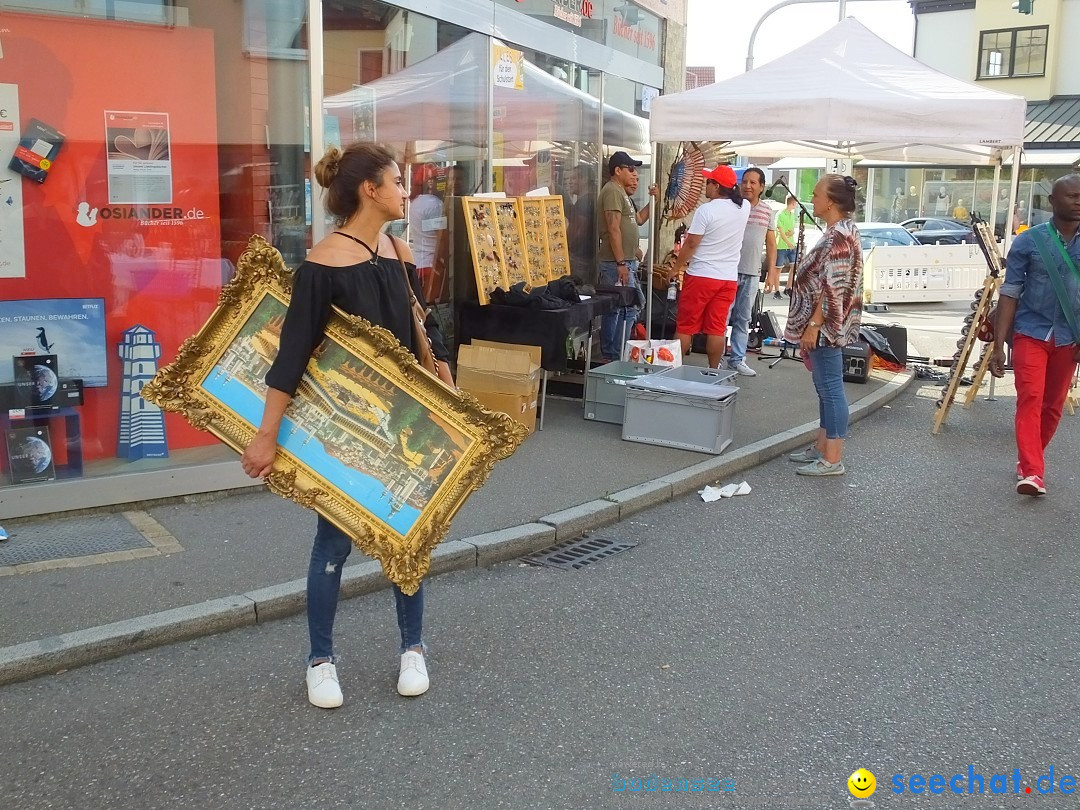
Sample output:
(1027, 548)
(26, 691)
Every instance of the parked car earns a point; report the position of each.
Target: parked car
(939, 230)
(881, 234)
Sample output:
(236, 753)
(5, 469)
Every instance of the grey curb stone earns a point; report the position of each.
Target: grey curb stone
(577, 519)
(635, 499)
(507, 544)
(279, 601)
(34, 658)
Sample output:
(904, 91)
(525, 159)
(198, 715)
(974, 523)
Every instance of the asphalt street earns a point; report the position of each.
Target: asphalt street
(913, 616)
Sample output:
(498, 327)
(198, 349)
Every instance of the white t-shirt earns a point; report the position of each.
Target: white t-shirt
(422, 211)
(762, 220)
(720, 225)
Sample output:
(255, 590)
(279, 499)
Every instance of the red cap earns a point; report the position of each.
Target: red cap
(723, 175)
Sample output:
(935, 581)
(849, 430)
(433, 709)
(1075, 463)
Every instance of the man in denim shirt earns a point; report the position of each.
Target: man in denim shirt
(1045, 350)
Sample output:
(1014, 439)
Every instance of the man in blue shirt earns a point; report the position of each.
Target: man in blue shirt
(1045, 345)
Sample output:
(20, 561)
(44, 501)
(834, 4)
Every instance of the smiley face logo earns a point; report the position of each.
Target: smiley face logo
(862, 784)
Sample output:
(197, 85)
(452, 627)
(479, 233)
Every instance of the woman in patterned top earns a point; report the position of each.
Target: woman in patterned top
(824, 317)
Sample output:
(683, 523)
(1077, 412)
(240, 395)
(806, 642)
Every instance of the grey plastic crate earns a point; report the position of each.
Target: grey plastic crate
(605, 389)
(701, 374)
(680, 413)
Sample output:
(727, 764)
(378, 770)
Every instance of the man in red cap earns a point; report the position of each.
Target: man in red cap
(710, 254)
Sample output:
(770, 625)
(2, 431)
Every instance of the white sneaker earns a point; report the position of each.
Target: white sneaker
(412, 677)
(742, 368)
(323, 689)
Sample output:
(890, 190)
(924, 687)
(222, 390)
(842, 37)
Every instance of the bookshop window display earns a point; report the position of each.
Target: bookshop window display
(127, 192)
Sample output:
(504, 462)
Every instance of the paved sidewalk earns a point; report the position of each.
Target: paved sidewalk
(212, 563)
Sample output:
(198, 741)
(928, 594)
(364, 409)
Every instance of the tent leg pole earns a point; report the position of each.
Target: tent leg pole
(650, 252)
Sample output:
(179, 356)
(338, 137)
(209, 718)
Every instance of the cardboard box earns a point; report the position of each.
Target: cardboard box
(503, 377)
(521, 407)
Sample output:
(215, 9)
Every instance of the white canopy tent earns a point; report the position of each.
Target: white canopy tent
(848, 93)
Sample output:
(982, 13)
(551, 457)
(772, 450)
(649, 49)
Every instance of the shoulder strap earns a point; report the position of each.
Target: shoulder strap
(1040, 235)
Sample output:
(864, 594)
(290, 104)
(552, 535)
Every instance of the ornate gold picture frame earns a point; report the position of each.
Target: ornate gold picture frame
(371, 441)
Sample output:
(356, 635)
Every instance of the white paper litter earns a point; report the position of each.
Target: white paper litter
(710, 494)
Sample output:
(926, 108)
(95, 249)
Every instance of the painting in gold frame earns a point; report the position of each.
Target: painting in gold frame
(555, 229)
(531, 211)
(482, 225)
(371, 441)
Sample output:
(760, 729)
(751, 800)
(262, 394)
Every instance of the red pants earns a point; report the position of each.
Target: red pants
(1043, 373)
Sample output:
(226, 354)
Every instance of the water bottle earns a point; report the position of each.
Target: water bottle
(672, 289)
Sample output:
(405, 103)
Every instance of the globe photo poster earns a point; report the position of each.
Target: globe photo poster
(73, 329)
(29, 454)
(36, 381)
(371, 441)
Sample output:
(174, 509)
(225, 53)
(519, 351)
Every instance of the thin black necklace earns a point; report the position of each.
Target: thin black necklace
(374, 256)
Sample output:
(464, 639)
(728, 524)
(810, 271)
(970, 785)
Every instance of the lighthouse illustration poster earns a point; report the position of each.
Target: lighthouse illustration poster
(142, 424)
(71, 328)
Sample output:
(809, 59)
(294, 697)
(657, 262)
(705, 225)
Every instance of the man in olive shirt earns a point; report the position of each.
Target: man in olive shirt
(617, 222)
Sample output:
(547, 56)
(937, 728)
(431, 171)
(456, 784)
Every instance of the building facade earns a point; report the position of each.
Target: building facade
(149, 139)
(996, 45)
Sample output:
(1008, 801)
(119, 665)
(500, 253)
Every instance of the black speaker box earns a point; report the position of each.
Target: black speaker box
(769, 326)
(897, 337)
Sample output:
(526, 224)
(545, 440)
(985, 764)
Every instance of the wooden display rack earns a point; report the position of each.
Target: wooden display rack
(516, 239)
(555, 235)
(537, 246)
(984, 300)
(512, 239)
(485, 245)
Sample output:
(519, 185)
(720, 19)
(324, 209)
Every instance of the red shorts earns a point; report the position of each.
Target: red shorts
(704, 305)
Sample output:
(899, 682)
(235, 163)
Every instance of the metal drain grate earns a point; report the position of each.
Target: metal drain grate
(69, 537)
(578, 552)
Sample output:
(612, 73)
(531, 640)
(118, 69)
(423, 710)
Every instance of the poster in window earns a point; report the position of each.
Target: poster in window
(139, 159)
(12, 240)
(71, 328)
(30, 456)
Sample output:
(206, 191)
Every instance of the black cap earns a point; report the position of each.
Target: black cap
(621, 159)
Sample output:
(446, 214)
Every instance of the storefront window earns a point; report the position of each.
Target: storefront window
(420, 87)
(620, 24)
(183, 140)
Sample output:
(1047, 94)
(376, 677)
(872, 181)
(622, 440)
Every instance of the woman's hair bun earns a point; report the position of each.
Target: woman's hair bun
(327, 168)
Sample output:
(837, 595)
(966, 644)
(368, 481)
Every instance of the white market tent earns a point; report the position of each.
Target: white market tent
(847, 93)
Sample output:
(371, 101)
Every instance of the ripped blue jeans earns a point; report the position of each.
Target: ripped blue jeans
(328, 555)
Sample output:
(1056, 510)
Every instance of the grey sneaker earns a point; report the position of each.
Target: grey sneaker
(742, 368)
(811, 453)
(821, 467)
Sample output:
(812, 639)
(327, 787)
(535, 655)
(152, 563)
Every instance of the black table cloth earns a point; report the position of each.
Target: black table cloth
(546, 328)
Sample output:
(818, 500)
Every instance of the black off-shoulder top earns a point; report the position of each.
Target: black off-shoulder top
(375, 292)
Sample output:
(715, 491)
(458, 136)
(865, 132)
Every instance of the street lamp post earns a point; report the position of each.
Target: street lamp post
(777, 7)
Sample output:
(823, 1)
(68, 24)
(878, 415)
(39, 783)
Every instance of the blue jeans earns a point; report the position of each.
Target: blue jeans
(328, 555)
(615, 327)
(740, 316)
(827, 369)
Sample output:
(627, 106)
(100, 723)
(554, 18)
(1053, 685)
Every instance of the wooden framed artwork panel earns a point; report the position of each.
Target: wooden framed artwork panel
(371, 441)
(555, 229)
(485, 245)
(531, 210)
(513, 243)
